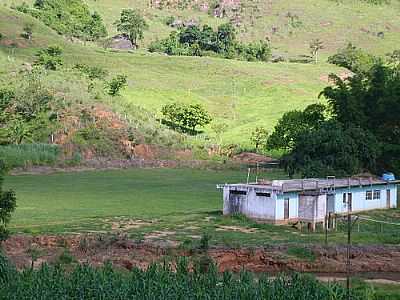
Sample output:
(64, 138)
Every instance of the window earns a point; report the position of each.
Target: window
(344, 198)
(268, 195)
(377, 194)
(368, 195)
(238, 192)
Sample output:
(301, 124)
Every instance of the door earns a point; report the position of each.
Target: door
(350, 201)
(286, 213)
(388, 198)
(330, 207)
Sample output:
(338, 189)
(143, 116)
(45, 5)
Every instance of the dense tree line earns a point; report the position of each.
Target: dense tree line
(205, 41)
(359, 129)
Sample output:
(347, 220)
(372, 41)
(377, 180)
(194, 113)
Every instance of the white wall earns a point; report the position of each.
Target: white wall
(359, 202)
(293, 206)
(252, 205)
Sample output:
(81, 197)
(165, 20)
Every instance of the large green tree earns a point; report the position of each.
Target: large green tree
(362, 134)
(332, 149)
(371, 101)
(294, 123)
(132, 24)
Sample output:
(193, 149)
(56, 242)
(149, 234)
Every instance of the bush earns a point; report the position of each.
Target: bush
(68, 17)
(353, 58)
(50, 58)
(115, 85)
(185, 117)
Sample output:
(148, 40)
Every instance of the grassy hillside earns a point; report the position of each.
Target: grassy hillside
(241, 94)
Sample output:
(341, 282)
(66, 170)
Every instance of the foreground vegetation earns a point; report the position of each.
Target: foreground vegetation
(161, 282)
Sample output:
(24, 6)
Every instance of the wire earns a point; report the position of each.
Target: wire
(378, 221)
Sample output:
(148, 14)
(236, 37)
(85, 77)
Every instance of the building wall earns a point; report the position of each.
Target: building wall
(251, 205)
(273, 208)
(359, 202)
(293, 206)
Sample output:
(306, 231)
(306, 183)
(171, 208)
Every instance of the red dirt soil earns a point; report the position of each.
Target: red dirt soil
(126, 253)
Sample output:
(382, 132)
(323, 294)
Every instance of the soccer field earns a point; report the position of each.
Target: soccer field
(71, 199)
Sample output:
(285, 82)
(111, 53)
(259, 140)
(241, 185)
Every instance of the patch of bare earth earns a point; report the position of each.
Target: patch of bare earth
(126, 253)
(124, 225)
(236, 229)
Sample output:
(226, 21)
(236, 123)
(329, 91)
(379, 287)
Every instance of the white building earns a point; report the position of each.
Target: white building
(308, 200)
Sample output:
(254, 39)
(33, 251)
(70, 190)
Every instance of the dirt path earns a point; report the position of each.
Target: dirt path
(371, 262)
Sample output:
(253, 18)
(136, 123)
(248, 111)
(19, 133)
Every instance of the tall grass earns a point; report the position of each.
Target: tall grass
(29, 155)
(159, 282)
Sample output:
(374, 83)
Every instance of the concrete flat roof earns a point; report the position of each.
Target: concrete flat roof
(310, 184)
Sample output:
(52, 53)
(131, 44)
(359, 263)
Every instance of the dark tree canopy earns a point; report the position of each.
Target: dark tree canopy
(332, 149)
(363, 132)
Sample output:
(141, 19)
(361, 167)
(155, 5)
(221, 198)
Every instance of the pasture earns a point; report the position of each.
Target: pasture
(242, 95)
(176, 205)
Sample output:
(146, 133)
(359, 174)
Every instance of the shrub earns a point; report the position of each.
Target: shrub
(50, 58)
(115, 85)
(186, 117)
(353, 58)
(69, 17)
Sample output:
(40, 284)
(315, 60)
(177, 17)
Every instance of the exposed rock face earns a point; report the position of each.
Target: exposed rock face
(121, 42)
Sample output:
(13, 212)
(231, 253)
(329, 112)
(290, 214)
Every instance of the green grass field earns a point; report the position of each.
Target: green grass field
(243, 95)
(167, 204)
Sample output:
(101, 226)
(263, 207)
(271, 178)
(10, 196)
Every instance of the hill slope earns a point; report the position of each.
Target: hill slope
(243, 95)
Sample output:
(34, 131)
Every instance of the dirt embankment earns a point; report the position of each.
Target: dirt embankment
(126, 253)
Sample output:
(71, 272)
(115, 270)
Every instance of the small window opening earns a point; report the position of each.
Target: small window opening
(238, 192)
(368, 195)
(268, 195)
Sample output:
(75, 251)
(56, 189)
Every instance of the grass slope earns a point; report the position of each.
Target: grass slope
(242, 95)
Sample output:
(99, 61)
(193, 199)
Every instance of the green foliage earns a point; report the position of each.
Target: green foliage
(186, 117)
(92, 73)
(196, 41)
(332, 149)
(116, 84)
(27, 110)
(29, 154)
(371, 101)
(259, 137)
(353, 58)
(8, 203)
(294, 123)
(50, 58)
(68, 17)
(161, 282)
(132, 24)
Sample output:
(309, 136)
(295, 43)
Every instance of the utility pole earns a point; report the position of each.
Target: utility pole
(348, 263)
